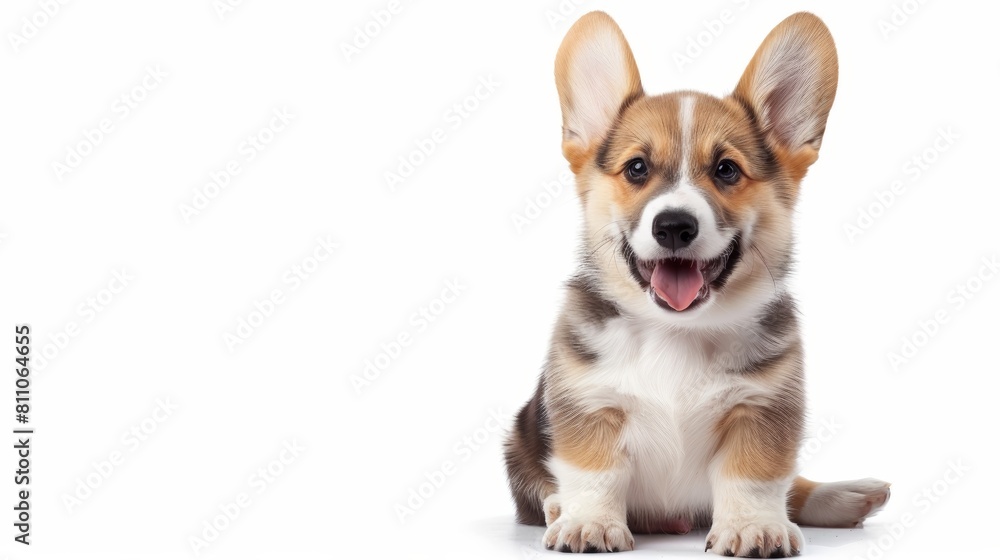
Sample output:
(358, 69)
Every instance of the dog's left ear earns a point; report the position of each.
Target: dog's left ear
(790, 84)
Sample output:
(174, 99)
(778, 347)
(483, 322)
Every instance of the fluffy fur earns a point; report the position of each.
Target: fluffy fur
(656, 412)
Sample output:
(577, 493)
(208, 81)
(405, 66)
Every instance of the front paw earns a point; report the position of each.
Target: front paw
(754, 538)
(601, 534)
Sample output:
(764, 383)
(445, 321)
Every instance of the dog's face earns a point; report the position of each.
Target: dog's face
(688, 198)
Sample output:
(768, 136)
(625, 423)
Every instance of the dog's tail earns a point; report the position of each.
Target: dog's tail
(836, 504)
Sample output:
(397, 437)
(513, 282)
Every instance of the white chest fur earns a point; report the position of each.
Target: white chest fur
(674, 389)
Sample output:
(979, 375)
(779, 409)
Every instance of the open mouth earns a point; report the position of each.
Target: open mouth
(682, 284)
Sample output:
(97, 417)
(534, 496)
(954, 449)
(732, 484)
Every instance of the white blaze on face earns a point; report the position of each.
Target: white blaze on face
(685, 196)
(687, 137)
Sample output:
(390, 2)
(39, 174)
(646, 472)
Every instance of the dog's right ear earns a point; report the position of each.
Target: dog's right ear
(595, 75)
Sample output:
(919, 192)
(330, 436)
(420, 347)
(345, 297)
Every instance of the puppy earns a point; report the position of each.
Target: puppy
(672, 396)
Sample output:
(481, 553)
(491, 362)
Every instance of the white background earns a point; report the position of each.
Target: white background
(162, 336)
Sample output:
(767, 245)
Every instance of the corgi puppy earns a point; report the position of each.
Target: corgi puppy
(672, 395)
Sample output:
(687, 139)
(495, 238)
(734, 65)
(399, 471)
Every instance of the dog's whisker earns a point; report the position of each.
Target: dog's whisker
(764, 262)
(602, 245)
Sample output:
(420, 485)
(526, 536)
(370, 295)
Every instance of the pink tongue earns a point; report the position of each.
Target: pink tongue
(677, 282)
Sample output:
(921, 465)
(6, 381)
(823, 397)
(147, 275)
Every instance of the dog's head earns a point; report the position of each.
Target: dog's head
(687, 197)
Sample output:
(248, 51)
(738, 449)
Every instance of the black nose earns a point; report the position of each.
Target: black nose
(675, 229)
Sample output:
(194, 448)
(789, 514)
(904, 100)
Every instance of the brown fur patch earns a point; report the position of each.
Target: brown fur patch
(589, 441)
(648, 129)
(757, 445)
(796, 164)
(760, 441)
(802, 488)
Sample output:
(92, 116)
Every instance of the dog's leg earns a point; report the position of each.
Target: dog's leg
(526, 450)
(836, 504)
(751, 477)
(588, 512)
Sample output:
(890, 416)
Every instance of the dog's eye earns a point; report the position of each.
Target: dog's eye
(727, 172)
(636, 171)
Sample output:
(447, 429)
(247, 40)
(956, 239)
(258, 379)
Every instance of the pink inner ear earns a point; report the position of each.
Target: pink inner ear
(785, 113)
(792, 81)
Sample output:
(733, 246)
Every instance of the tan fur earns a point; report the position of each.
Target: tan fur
(796, 164)
(802, 488)
(756, 448)
(588, 441)
(760, 442)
